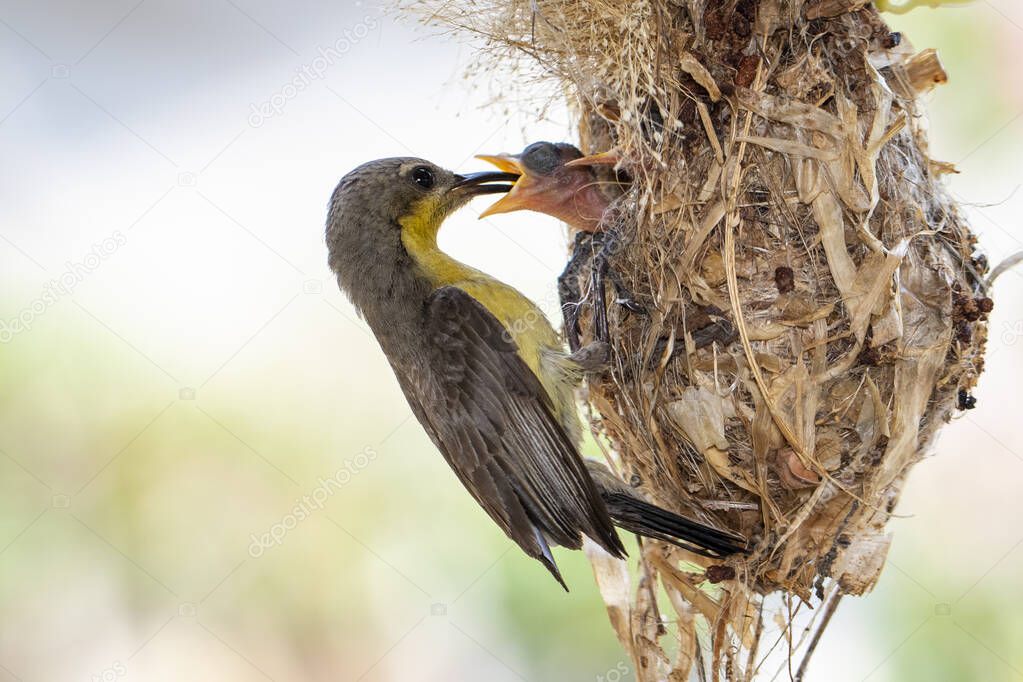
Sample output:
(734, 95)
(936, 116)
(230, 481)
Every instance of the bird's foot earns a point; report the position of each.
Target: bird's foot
(593, 358)
(594, 250)
(623, 296)
(570, 290)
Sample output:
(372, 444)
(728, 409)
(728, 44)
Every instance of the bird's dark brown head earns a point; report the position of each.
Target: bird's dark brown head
(545, 158)
(376, 206)
(556, 179)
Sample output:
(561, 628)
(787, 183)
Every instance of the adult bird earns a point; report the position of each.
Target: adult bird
(482, 369)
(480, 366)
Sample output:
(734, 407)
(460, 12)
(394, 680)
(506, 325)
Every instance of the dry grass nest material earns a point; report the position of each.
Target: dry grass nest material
(782, 198)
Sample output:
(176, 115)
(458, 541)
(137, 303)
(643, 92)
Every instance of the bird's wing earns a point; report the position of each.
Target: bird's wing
(495, 425)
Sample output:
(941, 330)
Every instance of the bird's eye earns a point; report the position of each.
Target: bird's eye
(423, 177)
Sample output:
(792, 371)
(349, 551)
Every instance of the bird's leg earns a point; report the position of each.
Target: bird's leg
(623, 296)
(595, 249)
(598, 271)
(569, 290)
(601, 270)
(593, 358)
(609, 246)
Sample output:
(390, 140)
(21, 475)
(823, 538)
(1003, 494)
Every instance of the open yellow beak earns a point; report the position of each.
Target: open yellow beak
(509, 163)
(567, 193)
(608, 158)
(528, 193)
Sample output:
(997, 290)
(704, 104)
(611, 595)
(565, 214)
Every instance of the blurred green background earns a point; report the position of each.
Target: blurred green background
(207, 470)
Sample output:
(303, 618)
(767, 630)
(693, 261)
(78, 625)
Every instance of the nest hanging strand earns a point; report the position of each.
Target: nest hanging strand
(781, 190)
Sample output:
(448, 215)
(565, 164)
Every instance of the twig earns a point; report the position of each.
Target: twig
(751, 666)
(1003, 267)
(829, 611)
(701, 667)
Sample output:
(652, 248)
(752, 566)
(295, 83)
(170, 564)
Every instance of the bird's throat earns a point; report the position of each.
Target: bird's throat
(419, 237)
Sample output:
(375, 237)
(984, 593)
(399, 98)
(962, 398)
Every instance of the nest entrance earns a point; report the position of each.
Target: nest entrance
(817, 309)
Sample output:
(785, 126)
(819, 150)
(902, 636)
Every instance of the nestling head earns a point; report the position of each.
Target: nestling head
(558, 180)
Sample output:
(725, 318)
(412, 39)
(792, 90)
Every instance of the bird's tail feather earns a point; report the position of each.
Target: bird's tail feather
(547, 558)
(643, 518)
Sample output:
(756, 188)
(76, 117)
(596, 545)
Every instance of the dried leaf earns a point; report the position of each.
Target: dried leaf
(700, 415)
(872, 290)
(925, 71)
(691, 65)
(833, 8)
(612, 577)
(791, 111)
(791, 148)
(859, 565)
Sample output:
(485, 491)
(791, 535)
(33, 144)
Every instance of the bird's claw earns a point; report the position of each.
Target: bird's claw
(594, 248)
(593, 358)
(631, 305)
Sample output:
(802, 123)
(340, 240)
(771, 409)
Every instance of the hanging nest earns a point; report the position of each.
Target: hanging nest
(815, 307)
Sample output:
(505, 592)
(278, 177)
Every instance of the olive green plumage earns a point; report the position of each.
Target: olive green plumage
(479, 364)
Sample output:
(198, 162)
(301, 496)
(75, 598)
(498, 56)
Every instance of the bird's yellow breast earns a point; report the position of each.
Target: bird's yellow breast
(526, 323)
(539, 345)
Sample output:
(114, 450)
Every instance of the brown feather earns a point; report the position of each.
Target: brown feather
(494, 423)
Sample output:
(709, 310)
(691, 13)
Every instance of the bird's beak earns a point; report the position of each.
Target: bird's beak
(609, 158)
(529, 193)
(509, 163)
(476, 184)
